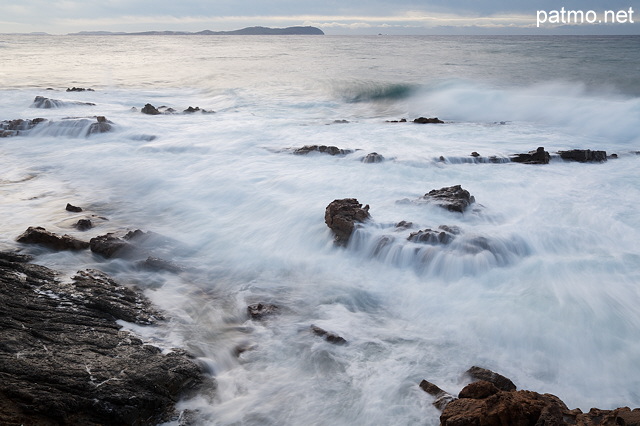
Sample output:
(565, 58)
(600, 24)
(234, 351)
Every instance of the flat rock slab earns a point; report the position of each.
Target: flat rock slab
(65, 360)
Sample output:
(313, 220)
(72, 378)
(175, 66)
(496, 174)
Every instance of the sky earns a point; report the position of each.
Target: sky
(334, 17)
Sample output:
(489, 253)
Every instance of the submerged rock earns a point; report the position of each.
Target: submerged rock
(150, 110)
(342, 216)
(14, 127)
(156, 264)
(258, 311)
(40, 236)
(328, 336)
(72, 208)
(444, 235)
(83, 225)
(65, 360)
(583, 155)
(79, 89)
(442, 398)
(331, 150)
(42, 102)
(452, 198)
(109, 246)
(539, 156)
(102, 126)
(373, 157)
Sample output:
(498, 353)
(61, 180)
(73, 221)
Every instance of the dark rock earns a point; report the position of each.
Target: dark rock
(157, 264)
(83, 225)
(613, 156)
(64, 359)
(583, 155)
(109, 246)
(478, 390)
(403, 224)
(42, 102)
(500, 381)
(39, 235)
(425, 120)
(452, 198)
(191, 110)
(402, 120)
(258, 311)
(442, 398)
(150, 109)
(102, 126)
(72, 208)
(328, 336)
(14, 127)
(373, 157)
(342, 216)
(331, 150)
(340, 121)
(539, 156)
(475, 154)
(79, 89)
(429, 236)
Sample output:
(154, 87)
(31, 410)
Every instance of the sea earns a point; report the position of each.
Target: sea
(541, 282)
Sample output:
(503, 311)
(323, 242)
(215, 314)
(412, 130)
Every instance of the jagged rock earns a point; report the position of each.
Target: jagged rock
(373, 157)
(452, 198)
(14, 127)
(429, 236)
(150, 109)
(500, 381)
(258, 311)
(79, 89)
(331, 150)
(442, 398)
(64, 359)
(539, 156)
(328, 336)
(72, 208)
(39, 235)
(583, 155)
(478, 390)
(425, 120)
(83, 225)
(109, 246)
(342, 216)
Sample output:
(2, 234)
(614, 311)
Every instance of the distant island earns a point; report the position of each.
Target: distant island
(244, 31)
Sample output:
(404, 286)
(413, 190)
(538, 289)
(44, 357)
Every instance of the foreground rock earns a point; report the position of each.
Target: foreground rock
(494, 401)
(452, 198)
(40, 236)
(584, 155)
(65, 360)
(539, 156)
(331, 150)
(342, 216)
(14, 127)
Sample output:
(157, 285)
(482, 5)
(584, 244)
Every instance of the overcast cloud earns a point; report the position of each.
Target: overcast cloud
(333, 17)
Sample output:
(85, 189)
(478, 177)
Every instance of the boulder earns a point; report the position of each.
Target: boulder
(328, 336)
(483, 374)
(83, 225)
(452, 198)
(583, 155)
(373, 157)
(425, 120)
(102, 125)
(156, 264)
(539, 156)
(65, 360)
(72, 208)
(331, 150)
(14, 127)
(342, 216)
(442, 398)
(39, 235)
(109, 246)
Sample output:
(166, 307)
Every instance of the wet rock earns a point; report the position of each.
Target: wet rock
(42, 102)
(442, 398)
(101, 126)
(83, 225)
(478, 390)
(342, 216)
(258, 311)
(452, 198)
(65, 360)
(475, 154)
(156, 264)
(539, 156)
(331, 150)
(425, 120)
(79, 89)
(72, 208)
(373, 157)
(109, 246)
(429, 236)
(150, 109)
(403, 224)
(583, 155)
(40, 236)
(340, 121)
(500, 381)
(402, 120)
(328, 336)
(14, 127)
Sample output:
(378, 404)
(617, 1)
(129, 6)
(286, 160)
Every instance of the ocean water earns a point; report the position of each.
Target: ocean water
(542, 284)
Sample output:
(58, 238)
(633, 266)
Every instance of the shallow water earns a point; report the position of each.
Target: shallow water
(549, 299)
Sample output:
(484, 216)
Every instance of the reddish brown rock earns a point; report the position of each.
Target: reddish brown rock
(500, 381)
(341, 216)
(453, 198)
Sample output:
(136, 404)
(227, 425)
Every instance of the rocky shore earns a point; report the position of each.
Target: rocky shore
(65, 360)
